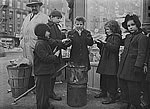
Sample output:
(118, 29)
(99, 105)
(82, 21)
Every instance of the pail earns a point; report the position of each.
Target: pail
(18, 79)
(76, 95)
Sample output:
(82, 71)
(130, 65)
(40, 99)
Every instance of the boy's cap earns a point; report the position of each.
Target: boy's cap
(40, 30)
(55, 13)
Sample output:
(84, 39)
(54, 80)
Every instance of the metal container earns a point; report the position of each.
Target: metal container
(76, 95)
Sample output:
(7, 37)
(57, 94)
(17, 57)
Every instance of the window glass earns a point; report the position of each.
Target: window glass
(100, 11)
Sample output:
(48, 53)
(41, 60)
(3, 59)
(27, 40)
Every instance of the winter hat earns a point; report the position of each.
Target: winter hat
(133, 17)
(34, 2)
(40, 30)
(55, 13)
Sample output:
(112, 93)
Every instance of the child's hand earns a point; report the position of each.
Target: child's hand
(66, 40)
(57, 53)
(103, 41)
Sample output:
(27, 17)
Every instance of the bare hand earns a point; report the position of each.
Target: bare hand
(65, 40)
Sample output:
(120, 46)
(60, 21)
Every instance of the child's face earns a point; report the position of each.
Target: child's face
(132, 26)
(108, 31)
(56, 19)
(47, 34)
(79, 25)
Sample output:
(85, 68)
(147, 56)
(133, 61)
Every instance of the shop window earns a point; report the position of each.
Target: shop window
(4, 2)
(10, 15)
(18, 4)
(18, 17)
(24, 15)
(3, 14)
(10, 3)
(24, 6)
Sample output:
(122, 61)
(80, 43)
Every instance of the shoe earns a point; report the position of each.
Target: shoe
(101, 95)
(55, 97)
(109, 101)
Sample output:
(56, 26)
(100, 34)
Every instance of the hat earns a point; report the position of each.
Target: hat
(34, 2)
(55, 13)
(40, 30)
(133, 17)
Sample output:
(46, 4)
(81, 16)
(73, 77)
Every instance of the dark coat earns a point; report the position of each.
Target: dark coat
(44, 59)
(134, 55)
(148, 61)
(55, 36)
(109, 52)
(79, 53)
(55, 41)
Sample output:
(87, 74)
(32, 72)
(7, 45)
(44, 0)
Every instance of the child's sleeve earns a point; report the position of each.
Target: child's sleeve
(44, 55)
(114, 45)
(89, 39)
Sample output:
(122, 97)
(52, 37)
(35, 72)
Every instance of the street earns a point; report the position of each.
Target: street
(29, 102)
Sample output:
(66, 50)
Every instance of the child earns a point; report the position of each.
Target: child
(130, 70)
(80, 40)
(109, 61)
(56, 44)
(43, 66)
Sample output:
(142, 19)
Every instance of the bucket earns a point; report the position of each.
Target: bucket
(18, 79)
(76, 95)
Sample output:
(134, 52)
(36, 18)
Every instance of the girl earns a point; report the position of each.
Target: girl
(109, 62)
(130, 72)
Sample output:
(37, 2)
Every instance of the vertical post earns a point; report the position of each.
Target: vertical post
(146, 15)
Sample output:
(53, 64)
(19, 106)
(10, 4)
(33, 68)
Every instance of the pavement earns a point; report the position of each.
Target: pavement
(29, 102)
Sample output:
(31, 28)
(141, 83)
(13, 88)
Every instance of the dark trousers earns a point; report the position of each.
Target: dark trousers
(52, 84)
(108, 83)
(42, 91)
(146, 92)
(130, 91)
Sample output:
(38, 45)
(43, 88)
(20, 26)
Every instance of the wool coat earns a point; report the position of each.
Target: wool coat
(148, 61)
(44, 59)
(109, 60)
(55, 41)
(134, 55)
(79, 53)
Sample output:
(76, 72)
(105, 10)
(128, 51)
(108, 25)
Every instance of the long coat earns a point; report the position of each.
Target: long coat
(148, 61)
(55, 41)
(109, 52)
(79, 53)
(134, 55)
(27, 33)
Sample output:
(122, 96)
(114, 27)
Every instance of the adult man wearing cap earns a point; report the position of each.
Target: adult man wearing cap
(27, 31)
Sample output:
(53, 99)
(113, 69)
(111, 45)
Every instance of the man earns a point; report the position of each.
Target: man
(27, 31)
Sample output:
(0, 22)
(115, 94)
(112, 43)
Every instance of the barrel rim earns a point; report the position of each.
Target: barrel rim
(18, 67)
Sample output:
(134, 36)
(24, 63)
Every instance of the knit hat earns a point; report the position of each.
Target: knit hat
(133, 17)
(55, 13)
(40, 30)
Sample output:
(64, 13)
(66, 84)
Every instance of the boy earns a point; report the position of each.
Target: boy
(80, 40)
(43, 66)
(56, 42)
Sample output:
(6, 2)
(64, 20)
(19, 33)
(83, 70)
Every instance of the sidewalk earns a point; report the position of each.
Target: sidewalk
(29, 101)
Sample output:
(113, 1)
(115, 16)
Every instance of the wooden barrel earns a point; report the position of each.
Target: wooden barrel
(76, 95)
(18, 79)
